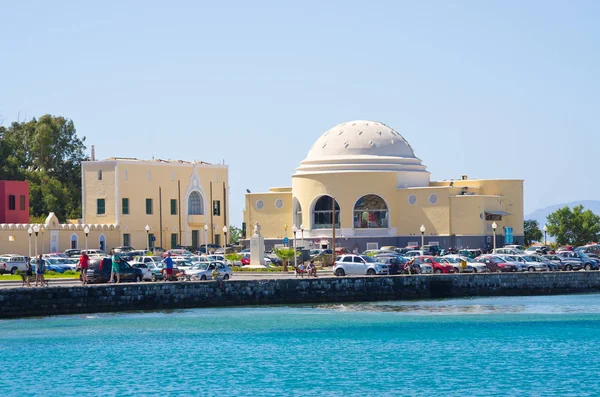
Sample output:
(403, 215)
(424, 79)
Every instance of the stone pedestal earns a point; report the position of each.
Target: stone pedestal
(257, 248)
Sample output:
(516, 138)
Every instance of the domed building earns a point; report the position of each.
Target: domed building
(383, 196)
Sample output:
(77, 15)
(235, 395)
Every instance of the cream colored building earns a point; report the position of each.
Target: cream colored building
(182, 203)
(383, 195)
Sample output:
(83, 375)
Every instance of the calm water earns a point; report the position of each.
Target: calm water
(517, 346)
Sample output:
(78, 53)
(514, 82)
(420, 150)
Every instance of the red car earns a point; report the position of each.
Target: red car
(245, 260)
(496, 264)
(439, 265)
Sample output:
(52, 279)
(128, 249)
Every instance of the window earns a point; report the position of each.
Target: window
(322, 214)
(260, 205)
(126, 239)
(151, 240)
(148, 206)
(100, 207)
(370, 212)
(173, 206)
(195, 204)
(279, 203)
(12, 204)
(493, 217)
(125, 207)
(173, 240)
(22, 199)
(100, 175)
(216, 207)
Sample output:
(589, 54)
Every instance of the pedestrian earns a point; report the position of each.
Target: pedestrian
(355, 249)
(169, 267)
(84, 263)
(40, 268)
(28, 273)
(115, 269)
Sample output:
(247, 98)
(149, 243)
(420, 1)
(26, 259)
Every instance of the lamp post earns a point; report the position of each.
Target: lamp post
(30, 232)
(42, 229)
(206, 240)
(36, 230)
(295, 230)
(545, 234)
(494, 226)
(147, 228)
(285, 232)
(86, 230)
(302, 235)
(224, 240)
(422, 229)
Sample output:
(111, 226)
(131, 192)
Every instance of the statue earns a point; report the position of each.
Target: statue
(257, 229)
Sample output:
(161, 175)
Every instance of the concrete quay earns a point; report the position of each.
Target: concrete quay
(60, 300)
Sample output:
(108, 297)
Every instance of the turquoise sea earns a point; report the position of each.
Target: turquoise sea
(506, 346)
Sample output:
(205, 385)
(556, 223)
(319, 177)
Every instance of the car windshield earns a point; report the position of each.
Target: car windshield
(528, 259)
(367, 258)
(200, 266)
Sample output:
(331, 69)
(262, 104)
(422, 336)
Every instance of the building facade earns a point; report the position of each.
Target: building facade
(365, 177)
(157, 203)
(14, 202)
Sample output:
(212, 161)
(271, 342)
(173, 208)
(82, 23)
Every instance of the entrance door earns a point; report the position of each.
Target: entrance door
(195, 239)
(218, 239)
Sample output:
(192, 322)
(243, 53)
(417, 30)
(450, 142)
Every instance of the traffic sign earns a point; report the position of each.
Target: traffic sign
(286, 240)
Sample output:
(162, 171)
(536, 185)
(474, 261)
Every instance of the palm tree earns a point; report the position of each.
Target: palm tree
(286, 255)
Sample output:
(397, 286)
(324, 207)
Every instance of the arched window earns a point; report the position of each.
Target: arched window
(297, 213)
(73, 241)
(322, 213)
(195, 204)
(370, 211)
(102, 243)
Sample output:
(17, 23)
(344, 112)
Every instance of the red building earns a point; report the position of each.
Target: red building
(14, 202)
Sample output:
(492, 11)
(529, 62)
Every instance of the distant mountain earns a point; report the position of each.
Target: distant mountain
(541, 214)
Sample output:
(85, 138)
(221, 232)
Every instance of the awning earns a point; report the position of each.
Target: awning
(503, 213)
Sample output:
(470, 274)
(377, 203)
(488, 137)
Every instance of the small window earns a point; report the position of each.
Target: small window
(216, 207)
(279, 203)
(125, 207)
(173, 240)
(100, 175)
(173, 206)
(148, 206)
(22, 202)
(412, 199)
(432, 199)
(260, 205)
(126, 239)
(100, 206)
(12, 204)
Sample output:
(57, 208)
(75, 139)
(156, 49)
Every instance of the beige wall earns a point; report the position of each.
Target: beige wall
(272, 219)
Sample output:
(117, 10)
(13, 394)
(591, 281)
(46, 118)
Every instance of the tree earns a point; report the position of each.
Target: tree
(286, 254)
(532, 232)
(234, 235)
(575, 227)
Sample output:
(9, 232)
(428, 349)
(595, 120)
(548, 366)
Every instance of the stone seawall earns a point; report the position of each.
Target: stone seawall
(27, 302)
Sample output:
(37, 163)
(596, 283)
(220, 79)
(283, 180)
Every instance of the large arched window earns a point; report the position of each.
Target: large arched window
(322, 213)
(195, 204)
(370, 211)
(297, 213)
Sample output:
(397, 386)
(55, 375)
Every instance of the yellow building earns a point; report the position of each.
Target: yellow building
(383, 196)
(157, 203)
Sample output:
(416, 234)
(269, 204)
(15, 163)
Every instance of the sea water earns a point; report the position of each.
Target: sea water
(507, 346)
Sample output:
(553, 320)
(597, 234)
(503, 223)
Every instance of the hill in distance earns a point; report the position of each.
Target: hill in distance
(540, 215)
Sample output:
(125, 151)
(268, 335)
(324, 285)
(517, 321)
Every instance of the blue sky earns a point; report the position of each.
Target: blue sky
(493, 89)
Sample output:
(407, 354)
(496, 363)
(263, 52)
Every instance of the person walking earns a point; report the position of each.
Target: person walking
(40, 268)
(115, 269)
(28, 274)
(169, 267)
(84, 264)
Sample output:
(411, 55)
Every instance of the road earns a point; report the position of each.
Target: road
(236, 276)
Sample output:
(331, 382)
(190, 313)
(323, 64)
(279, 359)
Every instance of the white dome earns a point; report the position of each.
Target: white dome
(361, 145)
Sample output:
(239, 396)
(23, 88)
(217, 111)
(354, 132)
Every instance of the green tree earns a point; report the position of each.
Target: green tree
(576, 227)
(47, 153)
(235, 234)
(532, 232)
(286, 255)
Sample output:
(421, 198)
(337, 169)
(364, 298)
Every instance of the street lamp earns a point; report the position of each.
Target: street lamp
(422, 229)
(302, 235)
(295, 230)
(42, 229)
(224, 240)
(494, 226)
(86, 230)
(36, 230)
(147, 237)
(206, 240)
(545, 234)
(30, 232)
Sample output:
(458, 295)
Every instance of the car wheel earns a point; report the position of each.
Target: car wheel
(226, 277)
(588, 267)
(531, 269)
(203, 278)
(340, 272)
(568, 268)
(437, 271)
(13, 270)
(138, 279)
(153, 278)
(370, 272)
(474, 270)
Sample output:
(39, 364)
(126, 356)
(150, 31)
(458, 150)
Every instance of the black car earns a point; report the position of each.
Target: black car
(99, 271)
(72, 253)
(395, 262)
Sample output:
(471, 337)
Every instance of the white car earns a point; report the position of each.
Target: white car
(358, 265)
(415, 253)
(219, 258)
(145, 268)
(531, 265)
(203, 271)
(182, 263)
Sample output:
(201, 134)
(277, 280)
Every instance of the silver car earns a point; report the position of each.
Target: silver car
(203, 271)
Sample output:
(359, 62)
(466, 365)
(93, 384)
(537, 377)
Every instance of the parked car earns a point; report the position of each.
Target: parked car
(71, 253)
(471, 253)
(52, 265)
(388, 248)
(556, 260)
(204, 271)
(403, 251)
(10, 263)
(246, 260)
(94, 253)
(433, 250)
(472, 266)
(507, 251)
(178, 252)
(358, 265)
(497, 264)
(587, 263)
(182, 263)
(146, 271)
(394, 262)
(122, 249)
(530, 264)
(99, 271)
(590, 249)
(439, 265)
(413, 253)
(424, 267)
(371, 252)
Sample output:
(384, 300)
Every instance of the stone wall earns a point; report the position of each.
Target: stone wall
(27, 302)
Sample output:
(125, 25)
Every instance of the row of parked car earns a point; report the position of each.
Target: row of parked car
(506, 259)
